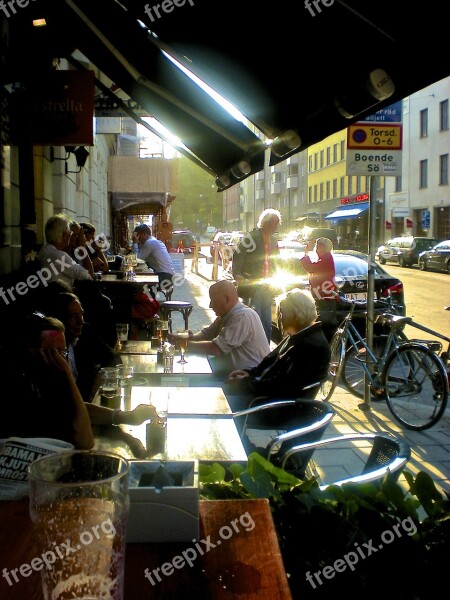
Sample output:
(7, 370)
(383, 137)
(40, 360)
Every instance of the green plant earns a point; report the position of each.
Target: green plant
(398, 539)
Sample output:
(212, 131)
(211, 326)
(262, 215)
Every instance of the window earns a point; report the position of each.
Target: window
(292, 169)
(424, 123)
(276, 177)
(342, 149)
(350, 185)
(310, 196)
(398, 183)
(443, 115)
(358, 184)
(342, 186)
(335, 153)
(303, 170)
(302, 196)
(443, 169)
(315, 161)
(423, 174)
(310, 168)
(328, 190)
(335, 188)
(321, 192)
(328, 156)
(315, 193)
(321, 159)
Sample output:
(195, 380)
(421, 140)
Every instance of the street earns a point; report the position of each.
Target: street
(426, 294)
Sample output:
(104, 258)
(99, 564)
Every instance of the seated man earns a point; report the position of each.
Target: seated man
(87, 351)
(47, 402)
(236, 338)
(301, 358)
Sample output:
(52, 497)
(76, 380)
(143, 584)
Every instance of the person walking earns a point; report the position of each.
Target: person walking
(253, 262)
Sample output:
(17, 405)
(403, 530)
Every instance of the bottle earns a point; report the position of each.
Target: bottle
(180, 246)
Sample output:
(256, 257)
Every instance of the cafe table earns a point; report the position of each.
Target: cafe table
(242, 561)
(200, 425)
(196, 371)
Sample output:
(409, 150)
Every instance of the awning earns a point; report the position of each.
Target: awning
(130, 40)
(348, 212)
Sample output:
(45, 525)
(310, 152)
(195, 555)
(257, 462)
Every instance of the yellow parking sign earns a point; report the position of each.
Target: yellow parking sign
(373, 136)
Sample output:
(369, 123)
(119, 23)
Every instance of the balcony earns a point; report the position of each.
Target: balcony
(275, 188)
(259, 194)
(292, 182)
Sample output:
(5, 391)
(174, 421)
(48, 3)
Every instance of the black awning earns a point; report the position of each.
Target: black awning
(297, 75)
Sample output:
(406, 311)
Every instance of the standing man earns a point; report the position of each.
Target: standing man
(253, 260)
(155, 254)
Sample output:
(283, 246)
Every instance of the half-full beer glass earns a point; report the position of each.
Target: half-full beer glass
(79, 508)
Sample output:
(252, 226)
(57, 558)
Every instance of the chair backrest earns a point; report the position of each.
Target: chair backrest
(388, 454)
(309, 424)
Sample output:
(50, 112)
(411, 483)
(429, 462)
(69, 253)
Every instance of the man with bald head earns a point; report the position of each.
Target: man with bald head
(236, 338)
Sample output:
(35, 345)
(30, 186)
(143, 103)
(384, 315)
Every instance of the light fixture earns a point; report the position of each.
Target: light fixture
(81, 155)
(376, 88)
(240, 169)
(39, 22)
(285, 142)
(223, 181)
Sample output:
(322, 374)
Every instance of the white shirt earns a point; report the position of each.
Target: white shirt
(240, 336)
(57, 265)
(155, 254)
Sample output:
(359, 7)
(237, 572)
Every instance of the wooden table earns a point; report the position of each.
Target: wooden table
(247, 565)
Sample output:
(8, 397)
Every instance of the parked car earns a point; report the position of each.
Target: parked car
(187, 238)
(438, 258)
(351, 278)
(404, 250)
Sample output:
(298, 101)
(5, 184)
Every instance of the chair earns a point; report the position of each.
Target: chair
(168, 307)
(388, 454)
(293, 421)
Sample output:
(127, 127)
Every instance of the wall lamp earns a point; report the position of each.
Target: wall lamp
(285, 142)
(81, 155)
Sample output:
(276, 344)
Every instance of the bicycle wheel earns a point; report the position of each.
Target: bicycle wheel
(416, 386)
(353, 371)
(337, 346)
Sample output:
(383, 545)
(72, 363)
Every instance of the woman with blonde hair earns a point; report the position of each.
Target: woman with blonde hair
(299, 360)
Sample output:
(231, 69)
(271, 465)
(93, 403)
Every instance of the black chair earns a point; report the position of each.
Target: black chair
(167, 308)
(291, 422)
(388, 453)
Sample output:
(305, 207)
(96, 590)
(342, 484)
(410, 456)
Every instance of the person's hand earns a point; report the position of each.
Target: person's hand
(310, 245)
(235, 375)
(143, 412)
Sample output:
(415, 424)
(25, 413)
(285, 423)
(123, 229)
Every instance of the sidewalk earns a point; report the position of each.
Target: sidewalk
(430, 449)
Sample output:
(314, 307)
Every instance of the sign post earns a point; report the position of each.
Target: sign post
(374, 148)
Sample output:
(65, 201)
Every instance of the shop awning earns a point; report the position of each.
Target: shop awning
(133, 43)
(348, 212)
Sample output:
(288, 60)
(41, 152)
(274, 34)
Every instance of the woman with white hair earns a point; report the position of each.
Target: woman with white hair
(301, 358)
(322, 273)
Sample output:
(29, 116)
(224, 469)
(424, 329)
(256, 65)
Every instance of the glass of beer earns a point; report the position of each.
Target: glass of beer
(182, 340)
(80, 498)
(162, 331)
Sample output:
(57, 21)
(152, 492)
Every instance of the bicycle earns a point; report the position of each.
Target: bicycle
(407, 374)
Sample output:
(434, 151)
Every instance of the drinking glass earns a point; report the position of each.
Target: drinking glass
(183, 339)
(79, 508)
(122, 332)
(125, 375)
(109, 386)
(162, 331)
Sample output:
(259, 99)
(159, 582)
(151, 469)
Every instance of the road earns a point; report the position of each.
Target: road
(426, 294)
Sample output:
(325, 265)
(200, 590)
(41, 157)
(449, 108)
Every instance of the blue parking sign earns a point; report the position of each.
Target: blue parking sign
(426, 218)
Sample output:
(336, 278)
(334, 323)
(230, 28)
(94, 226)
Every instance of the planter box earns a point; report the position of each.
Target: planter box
(164, 501)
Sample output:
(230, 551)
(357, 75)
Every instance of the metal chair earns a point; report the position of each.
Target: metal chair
(388, 454)
(291, 421)
(167, 308)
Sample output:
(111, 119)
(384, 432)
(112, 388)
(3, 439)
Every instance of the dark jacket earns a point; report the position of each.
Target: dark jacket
(299, 360)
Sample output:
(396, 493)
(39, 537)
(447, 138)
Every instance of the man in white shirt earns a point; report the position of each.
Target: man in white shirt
(236, 338)
(61, 267)
(155, 254)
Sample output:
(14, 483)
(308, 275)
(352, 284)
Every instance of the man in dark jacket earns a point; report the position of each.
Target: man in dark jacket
(253, 263)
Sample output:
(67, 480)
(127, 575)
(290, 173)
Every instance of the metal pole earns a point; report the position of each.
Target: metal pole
(370, 286)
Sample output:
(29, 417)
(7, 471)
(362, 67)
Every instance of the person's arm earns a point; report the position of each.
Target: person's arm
(101, 415)
(86, 261)
(83, 437)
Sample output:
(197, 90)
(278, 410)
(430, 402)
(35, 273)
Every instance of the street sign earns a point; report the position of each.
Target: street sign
(390, 114)
(375, 136)
(374, 162)
(426, 218)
